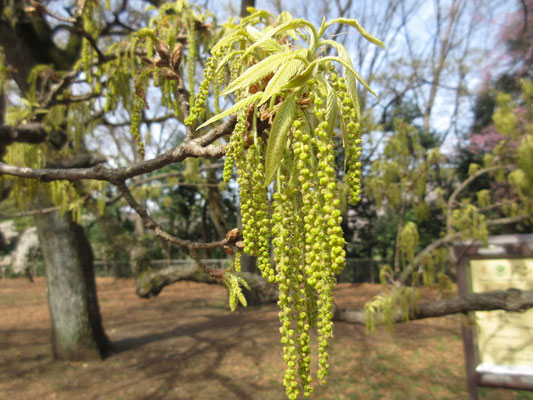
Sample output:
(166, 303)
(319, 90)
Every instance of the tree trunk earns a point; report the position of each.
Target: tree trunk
(77, 331)
(244, 5)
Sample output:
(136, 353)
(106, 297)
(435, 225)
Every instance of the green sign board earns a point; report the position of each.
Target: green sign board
(499, 346)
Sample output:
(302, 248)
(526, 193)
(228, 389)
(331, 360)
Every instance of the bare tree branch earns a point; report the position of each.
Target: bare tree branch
(199, 147)
(29, 213)
(151, 283)
(28, 133)
(151, 224)
(513, 300)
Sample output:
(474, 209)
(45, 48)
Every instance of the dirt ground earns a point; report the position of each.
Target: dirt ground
(186, 344)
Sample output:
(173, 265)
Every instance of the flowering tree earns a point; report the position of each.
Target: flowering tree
(291, 131)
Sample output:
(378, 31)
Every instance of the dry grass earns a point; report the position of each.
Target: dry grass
(186, 344)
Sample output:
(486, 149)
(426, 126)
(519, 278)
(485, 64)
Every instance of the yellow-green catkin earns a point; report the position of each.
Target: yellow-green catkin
(203, 91)
(136, 117)
(252, 191)
(327, 244)
(235, 148)
(90, 26)
(261, 212)
(235, 71)
(248, 205)
(237, 266)
(218, 82)
(192, 53)
(353, 138)
(282, 214)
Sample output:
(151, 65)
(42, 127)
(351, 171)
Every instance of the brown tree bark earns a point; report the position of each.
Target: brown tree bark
(244, 5)
(151, 283)
(513, 300)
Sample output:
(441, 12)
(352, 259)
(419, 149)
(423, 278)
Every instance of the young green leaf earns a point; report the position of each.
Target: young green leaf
(323, 86)
(294, 173)
(284, 17)
(258, 71)
(255, 15)
(235, 108)
(269, 45)
(289, 25)
(281, 77)
(278, 136)
(236, 34)
(351, 83)
(356, 25)
(294, 24)
(332, 109)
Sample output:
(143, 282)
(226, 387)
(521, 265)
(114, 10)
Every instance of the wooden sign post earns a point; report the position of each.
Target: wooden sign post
(499, 345)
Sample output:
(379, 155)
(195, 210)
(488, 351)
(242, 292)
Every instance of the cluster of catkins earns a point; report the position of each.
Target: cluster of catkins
(302, 216)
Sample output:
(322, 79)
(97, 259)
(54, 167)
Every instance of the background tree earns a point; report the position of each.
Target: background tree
(77, 333)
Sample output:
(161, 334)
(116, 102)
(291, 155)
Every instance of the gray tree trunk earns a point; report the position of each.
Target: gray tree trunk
(244, 5)
(77, 331)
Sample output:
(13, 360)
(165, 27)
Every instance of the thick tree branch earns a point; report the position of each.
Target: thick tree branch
(199, 147)
(513, 300)
(79, 160)
(28, 133)
(29, 213)
(151, 283)
(218, 132)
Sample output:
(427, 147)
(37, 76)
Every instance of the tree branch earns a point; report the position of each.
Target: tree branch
(151, 224)
(42, 9)
(29, 213)
(151, 283)
(28, 133)
(513, 300)
(199, 147)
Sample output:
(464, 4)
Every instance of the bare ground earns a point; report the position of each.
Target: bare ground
(186, 344)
